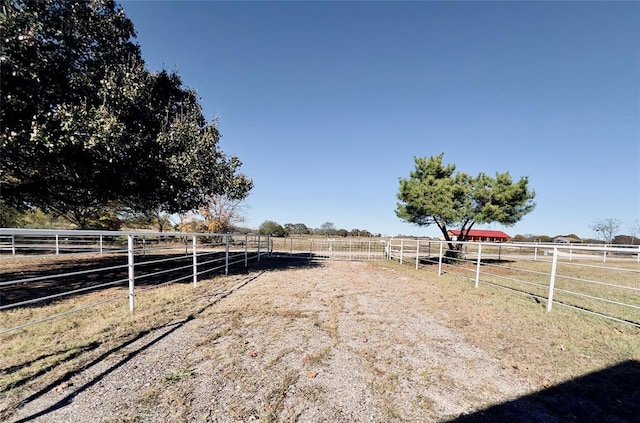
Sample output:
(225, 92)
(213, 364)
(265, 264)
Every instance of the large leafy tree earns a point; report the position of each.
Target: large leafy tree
(87, 130)
(269, 227)
(435, 194)
(55, 57)
(296, 228)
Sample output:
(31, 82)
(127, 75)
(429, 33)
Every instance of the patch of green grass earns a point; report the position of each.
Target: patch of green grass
(177, 376)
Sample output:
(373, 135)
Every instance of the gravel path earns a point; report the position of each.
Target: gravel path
(331, 342)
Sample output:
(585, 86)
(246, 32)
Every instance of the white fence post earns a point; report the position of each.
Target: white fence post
(13, 246)
(57, 245)
(101, 245)
(417, 253)
(535, 253)
(478, 264)
(552, 280)
(195, 260)
(604, 256)
(440, 260)
(226, 255)
(132, 298)
(570, 253)
(246, 250)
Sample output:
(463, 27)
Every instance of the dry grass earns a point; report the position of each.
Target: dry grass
(546, 347)
(303, 344)
(575, 282)
(38, 355)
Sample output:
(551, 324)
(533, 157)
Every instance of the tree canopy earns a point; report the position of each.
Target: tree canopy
(269, 227)
(296, 229)
(435, 194)
(328, 228)
(87, 130)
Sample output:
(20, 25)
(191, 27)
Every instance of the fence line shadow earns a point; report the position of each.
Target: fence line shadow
(16, 293)
(129, 356)
(275, 264)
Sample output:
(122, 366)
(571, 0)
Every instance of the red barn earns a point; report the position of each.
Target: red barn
(481, 235)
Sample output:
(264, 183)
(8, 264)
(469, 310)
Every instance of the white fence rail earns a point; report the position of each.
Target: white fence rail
(41, 266)
(604, 281)
(359, 249)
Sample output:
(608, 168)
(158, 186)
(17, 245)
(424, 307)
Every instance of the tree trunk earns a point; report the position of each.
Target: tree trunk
(453, 251)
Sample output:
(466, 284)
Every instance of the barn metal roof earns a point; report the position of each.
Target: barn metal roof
(482, 233)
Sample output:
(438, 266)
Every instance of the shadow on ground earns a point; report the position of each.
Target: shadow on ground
(610, 395)
(265, 265)
(285, 261)
(88, 274)
(129, 348)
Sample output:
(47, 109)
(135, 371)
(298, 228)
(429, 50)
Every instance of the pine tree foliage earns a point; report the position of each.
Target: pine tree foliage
(434, 193)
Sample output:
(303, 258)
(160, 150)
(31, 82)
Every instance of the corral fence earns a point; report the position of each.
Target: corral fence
(42, 266)
(358, 249)
(604, 280)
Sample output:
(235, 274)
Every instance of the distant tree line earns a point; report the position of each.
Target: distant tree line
(607, 228)
(270, 227)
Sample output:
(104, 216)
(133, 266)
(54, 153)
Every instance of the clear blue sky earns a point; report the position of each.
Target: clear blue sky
(327, 103)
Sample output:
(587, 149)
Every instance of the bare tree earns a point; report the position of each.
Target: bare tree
(328, 228)
(634, 230)
(220, 214)
(607, 228)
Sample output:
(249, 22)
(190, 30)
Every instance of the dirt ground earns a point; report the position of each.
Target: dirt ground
(328, 342)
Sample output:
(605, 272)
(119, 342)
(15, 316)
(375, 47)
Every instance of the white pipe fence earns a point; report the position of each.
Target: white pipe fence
(600, 280)
(41, 266)
(603, 281)
(358, 249)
